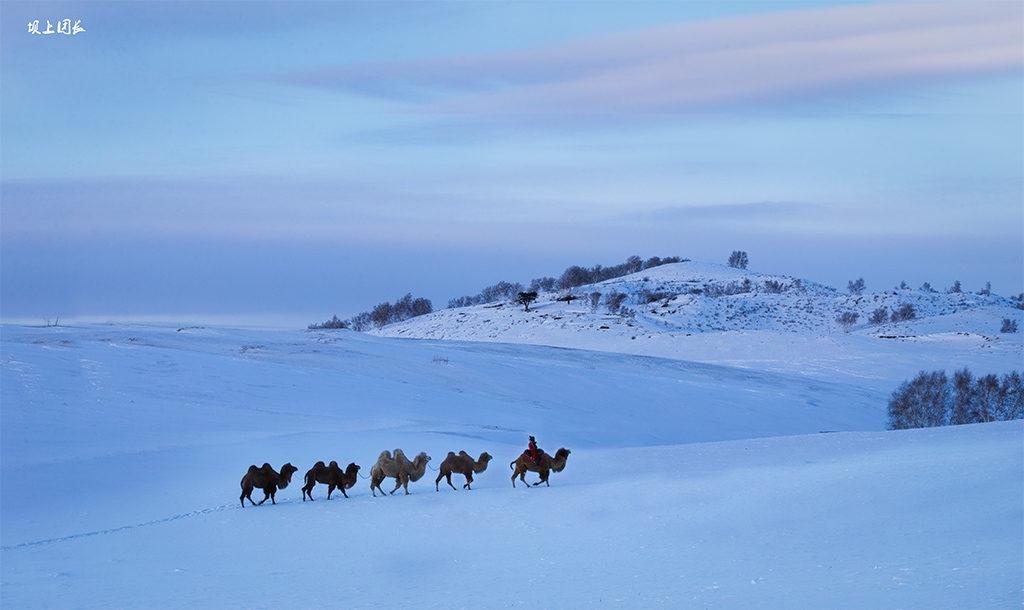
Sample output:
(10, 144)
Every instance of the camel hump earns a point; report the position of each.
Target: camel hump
(334, 464)
(451, 454)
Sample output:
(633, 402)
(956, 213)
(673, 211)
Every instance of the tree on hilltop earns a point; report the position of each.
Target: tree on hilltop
(738, 259)
(525, 298)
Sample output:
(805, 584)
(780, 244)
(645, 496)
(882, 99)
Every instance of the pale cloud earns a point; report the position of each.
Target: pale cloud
(689, 66)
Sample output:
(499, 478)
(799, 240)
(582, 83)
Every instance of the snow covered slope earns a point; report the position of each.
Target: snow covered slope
(690, 483)
(717, 314)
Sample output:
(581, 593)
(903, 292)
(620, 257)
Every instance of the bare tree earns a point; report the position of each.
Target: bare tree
(738, 259)
(613, 301)
(847, 319)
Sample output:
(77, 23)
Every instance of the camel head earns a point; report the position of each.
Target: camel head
(558, 463)
(286, 475)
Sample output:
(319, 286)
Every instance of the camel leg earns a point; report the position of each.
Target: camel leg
(437, 482)
(450, 481)
(522, 477)
(403, 480)
(469, 479)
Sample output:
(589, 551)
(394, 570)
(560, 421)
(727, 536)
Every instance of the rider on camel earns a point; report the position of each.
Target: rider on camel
(533, 452)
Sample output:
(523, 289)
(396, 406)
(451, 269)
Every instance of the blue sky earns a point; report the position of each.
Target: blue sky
(291, 161)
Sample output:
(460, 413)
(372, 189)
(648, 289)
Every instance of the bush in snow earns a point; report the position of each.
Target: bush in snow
(955, 288)
(847, 319)
(722, 290)
(645, 296)
(333, 323)
(905, 312)
(1009, 326)
(879, 316)
(613, 301)
(856, 287)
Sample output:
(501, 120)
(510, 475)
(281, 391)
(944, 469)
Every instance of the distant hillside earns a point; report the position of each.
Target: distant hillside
(691, 297)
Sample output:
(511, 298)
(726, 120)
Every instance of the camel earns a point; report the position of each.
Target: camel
(268, 480)
(399, 468)
(332, 476)
(523, 463)
(461, 464)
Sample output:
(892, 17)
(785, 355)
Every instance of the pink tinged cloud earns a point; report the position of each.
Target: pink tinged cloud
(700, 65)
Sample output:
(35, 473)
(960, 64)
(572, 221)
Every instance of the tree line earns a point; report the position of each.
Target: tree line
(934, 399)
(380, 316)
(573, 277)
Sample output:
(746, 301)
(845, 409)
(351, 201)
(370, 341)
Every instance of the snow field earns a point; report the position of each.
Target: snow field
(699, 473)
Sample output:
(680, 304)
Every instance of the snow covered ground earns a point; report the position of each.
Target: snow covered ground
(744, 467)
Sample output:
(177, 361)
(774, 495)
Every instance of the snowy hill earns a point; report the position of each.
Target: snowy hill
(717, 314)
(693, 297)
(699, 473)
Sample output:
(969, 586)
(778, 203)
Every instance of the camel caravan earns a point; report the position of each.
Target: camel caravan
(397, 466)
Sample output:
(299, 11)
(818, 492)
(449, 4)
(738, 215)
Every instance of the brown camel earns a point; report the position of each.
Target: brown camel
(461, 464)
(268, 480)
(399, 468)
(332, 476)
(523, 463)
